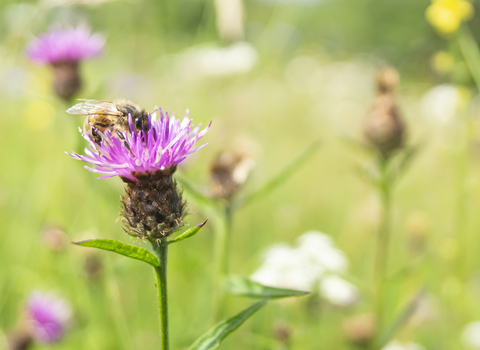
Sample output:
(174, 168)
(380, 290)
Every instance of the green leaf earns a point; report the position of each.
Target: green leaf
(189, 233)
(402, 318)
(212, 339)
(128, 250)
(244, 286)
(280, 178)
(469, 48)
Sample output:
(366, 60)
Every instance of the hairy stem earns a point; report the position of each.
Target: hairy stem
(161, 249)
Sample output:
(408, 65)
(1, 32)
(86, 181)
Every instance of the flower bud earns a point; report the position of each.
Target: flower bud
(54, 238)
(387, 79)
(19, 340)
(360, 330)
(228, 173)
(282, 333)
(384, 128)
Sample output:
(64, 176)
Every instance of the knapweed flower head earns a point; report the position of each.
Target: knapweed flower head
(47, 316)
(146, 161)
(167, 142)
(64, 49)
(70, 44)
(447, 15)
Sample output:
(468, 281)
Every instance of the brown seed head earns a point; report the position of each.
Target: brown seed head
(360, 330)
(282, 333)
(93, 267)
(66, 79)
(19, 339)
(384, 128)
(387, 79)
(54, 237)
(153, 206)
(228, 173)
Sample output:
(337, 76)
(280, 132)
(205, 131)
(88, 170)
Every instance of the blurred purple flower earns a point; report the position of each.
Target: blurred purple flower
(71, 44)
(47, 316)
(167, 142)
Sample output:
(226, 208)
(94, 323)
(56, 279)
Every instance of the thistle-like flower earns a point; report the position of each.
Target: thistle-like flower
(145, 161)
(64, 49)
(47, 317)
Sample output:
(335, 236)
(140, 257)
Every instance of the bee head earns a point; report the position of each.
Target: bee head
(141, 121)
(127, 107)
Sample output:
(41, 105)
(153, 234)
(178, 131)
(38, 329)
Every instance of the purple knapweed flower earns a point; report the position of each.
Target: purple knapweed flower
(71, 44)
(64, 49)
(167, 142)
(146, 160)
(47, 316)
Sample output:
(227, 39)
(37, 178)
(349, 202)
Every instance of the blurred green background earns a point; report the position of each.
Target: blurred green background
(311, 76)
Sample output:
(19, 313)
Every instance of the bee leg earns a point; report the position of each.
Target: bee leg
(96, 137)
(125, 143)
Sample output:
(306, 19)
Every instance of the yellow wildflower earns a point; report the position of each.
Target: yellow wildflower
(443, 62)
(447, 15)
(39, 115)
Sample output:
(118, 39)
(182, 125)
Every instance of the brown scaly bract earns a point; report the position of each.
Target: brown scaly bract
(153, 206)
(384, 127)
(66, 79)
(228, 172)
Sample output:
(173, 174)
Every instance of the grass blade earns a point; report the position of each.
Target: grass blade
(280, 178)
(212, 339)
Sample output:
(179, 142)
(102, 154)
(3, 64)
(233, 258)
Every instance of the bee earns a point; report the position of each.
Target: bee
(113, 116)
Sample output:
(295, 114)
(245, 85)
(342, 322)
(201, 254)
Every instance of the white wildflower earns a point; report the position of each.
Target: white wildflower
(395, 345)
(315, 262)
(441, 103)
(205, 61)
(471, 335)
(338, 291)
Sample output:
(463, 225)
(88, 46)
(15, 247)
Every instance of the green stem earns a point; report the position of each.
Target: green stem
(161, 249)
(462, 220)
(223, 237)
(383, 238)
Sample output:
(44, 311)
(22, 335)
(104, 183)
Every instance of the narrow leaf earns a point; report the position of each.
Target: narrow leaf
(189, 233)
(469, 48)
(128, 250)
(402, 318)
(212, 339)
(280, 178)
(244, 286)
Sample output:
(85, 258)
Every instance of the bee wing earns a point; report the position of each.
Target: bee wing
(94, 107)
